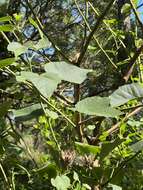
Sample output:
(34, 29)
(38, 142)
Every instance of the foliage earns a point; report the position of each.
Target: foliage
(71, 95)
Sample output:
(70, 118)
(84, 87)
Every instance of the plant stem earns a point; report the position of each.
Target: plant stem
(121, 166)
(5, 177)
(56, 109)
(45, 33)
(51, 128)
(99, 21)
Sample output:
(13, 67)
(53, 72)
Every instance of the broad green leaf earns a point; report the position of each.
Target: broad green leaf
(125, 93)
(42, 43)
(67, 72)
(45, 84)
(51, 114)
(138, 146)
(28, 113)
(61, 182)
(96, 105)
(5, 18)
(87, 149)
(6, 28)
(109, 147)
(6, 62)
(17, 48)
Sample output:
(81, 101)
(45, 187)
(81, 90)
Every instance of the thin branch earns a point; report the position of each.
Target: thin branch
(5, 177)
(115, 127)
(140, 6)
(98, 23)
(87, 120)
(51, 128)
(20, 136)
(58, 111)
(79, 60)
(110, 29)
(136, 14)
(132, 63)
(45, 33)
(94, 37)
(66, 101)
(138, 51)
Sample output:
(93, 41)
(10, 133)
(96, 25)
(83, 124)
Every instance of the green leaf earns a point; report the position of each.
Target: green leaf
(6, 28)
(61, 182)
(75, 176)
(28, 113)
(45, 84)
(126, 8)
(125, 93)
(4, 107)
(138, 146)
(115, 187)
(87, 149)
(52, 114)
(42, 43)
(49, 169)
(67, 72)
(18, 17)
(6, 62)
(17, 48)
(109, 147)
(86, 186)
(96, 105)
(5, 18)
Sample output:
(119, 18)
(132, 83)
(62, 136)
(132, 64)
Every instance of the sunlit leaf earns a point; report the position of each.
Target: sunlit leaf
(61, 182)
(28, 113)
(17, 48)
(125, 93)
(6, 28)
(67, 72)
(18, 17)
(51, 114)
(126, 8)
(96, 105)
(46, 84)
(87, 149)
(115, 187)
(86, 186)
(6, 62)
(75, 176)
(42, 43)
(5, 18)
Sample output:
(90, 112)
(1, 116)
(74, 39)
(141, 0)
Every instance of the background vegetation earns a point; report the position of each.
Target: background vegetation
(71, 92)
